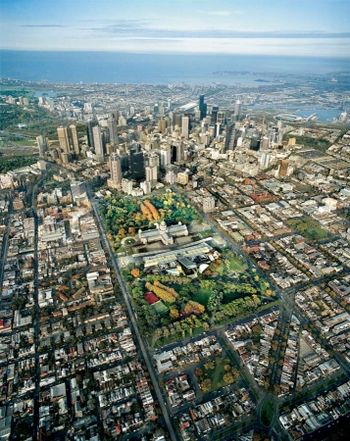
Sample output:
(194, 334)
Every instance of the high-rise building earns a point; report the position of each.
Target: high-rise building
(180, 152)
(255, 143)
(162, 125)
(185, 126)
(112, 129)
(202, 107)
(221, 117)
(151, 174)
(63, 140)
(214, 114)
(98, 143)
(230, 137)
(136, 163)
(42, 144)
(217, 129)
(165, 156)
(73, 139)
(90, 137)
(153, 159)
(116, 171)
(68, 139)
(265, 143)
(283, 168)
(237, 110)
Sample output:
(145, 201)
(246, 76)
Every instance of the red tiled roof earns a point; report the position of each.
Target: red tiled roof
(151, 298)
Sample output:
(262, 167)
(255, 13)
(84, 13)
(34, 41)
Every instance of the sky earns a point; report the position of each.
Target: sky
(264, 27)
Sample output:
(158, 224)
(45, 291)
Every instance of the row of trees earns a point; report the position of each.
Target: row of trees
(14, 162)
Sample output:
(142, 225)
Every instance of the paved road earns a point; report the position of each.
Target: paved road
(141, 344)
(283, 326)
(5, 244)
(36, 318)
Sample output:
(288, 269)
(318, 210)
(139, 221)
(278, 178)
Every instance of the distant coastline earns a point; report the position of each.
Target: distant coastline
(110, 67)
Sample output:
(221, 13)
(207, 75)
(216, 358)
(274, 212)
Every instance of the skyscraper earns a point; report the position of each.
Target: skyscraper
(73, 139)
(116, 171)
(185, 126)
(42, 144)
(90, 137)
(180, 152)
(214, 114)
(63, 140)
(153, 159)
(265, 143)
(68, 139)
(221, 117)
(230, 137)
(98, 143)
(237, 110)
(165, 156)
(217, 129)
(151, 174)
(283, 168)
(112, 129)
(162, 125)
(136, 163)
(255, 143)
(202, 107)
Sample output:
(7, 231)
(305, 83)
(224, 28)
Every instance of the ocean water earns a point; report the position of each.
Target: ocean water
(113, 67)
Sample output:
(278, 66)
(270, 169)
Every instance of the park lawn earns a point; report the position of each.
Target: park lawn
(309, 228)
(28, 142)
(202, 296)
(234, 263)
(216, 375)
(229, 264)
(160, 307)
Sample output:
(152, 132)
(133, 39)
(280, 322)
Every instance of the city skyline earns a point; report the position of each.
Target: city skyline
(278, 28)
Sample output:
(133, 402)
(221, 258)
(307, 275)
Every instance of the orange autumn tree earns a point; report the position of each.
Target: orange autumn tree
(146, 212)
(193, 307)
(152, 209)
(135, 272)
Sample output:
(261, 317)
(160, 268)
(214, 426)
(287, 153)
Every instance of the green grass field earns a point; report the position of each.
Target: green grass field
(202, 296)
(216, 376)
(309, 228)
(236, 264)
(231, 263)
